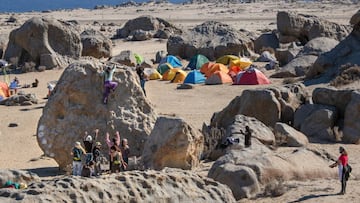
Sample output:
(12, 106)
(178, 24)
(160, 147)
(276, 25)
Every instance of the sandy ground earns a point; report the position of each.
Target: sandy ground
(18, 145)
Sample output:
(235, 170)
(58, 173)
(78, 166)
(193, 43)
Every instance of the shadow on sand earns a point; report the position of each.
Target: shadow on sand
(312, 196)
(46, 171)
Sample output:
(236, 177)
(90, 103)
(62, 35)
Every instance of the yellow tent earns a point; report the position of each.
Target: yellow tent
(152, 73)
(242, 63)
(170, 74)
(227, 59)
(180, 76)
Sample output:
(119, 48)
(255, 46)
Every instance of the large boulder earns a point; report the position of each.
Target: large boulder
(146, 27)
(173, 143)
(95, 44)
(285, 54)
(169, 185)
(318, 46)
(20, 99)
(307, 27)
(288, 136)
(3, 44)
(347, 51)
(266, 40)
(332, 97)
(211, 39)
(76, 106)
(296, 67)
(352, 119)
(43, 41)
(126, 57)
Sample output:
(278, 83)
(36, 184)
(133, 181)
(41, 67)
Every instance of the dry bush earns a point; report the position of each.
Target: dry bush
(275, 188)
(348, 74)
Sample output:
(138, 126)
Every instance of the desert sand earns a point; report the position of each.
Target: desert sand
(18, 145)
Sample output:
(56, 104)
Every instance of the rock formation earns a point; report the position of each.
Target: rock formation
(169, 185)
(76, 106)
(288, 136)
(20, 100)
(18, 176)
(266, 40)
(43, 41)
(211, 39)
(347, 51)
(352, 119)
(146, 27)
(95, 44)
(173, 143)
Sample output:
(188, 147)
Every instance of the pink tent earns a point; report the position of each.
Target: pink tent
(251, 76)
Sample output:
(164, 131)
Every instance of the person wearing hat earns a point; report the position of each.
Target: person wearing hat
(343, 168)
(88, 141)
(77, 152)
(97, 155)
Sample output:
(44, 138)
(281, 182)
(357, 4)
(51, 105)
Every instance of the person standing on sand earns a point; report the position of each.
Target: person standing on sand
(343, 168)
(97, 156)
(88, 143)
(142, 76)
(109, 85)
(125, 150)
(117, 160)
(115, 142)
(248, 133)
(77, 152)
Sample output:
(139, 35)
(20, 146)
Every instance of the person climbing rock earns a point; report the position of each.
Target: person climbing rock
(109, 85)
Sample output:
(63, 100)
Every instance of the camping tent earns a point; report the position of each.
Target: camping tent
(197, 61)
(227, 59)
(162, 68)
(251, 76)
(216, 67)
(219, 77)
(179, 77)
(206, 67)
(170, 74)
(233, 71)
(152, 73)
(139, 59)
(194, 77)
(243, 63)
(172, 60)
(4, 90)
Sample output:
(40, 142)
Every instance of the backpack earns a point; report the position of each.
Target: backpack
(86, 171)
(77, 154)
(348, 170)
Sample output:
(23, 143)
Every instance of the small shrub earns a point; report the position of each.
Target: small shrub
(348, 74)
(275, 188)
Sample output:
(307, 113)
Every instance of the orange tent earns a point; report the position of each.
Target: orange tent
(217, 67)
(180, 76)
(219, 77)
(233, 71)
(206, 67)
(4, 90)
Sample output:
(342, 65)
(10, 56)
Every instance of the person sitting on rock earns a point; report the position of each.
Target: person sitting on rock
(77, 153)
(115, 142)
(88, 143)
(116, 159)
(109, 85)
(125, 150)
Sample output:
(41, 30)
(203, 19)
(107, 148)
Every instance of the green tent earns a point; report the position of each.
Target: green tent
(197, 61)
(139, 59)
(164, 67)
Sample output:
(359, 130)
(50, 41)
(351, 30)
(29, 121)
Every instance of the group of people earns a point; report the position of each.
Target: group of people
(87, 160)
(110, 85)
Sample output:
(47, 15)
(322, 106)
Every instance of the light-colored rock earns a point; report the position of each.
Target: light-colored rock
(173, 143)
(296, 67)
(352, 119)
(332, 97)
(242, 180)
(43, 37)
(125, 57)
(133, 186)
(290, 136)
(211, 39)
(95, 44)
(318, 46)
(77, 106)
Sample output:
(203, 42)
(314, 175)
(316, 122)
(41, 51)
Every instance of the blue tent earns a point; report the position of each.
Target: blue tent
(172, 60)
(195, 77)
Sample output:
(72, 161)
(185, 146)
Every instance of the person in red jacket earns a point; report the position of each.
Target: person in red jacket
(343, 168)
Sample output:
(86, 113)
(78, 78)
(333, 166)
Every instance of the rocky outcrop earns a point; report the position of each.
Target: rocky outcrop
(347, 51)
(126, 57)
(352, 119)
(306, 27)
(296, 67)
(318, 46)
(146, 27)
(20, 99)
(76, 106)
(18, 176)
(43, 41)
(173, 143)
(211, 39)
(136, 186)
(285, 54)
(266, 40)
(95, 44)
(288, 136)
(3, 44)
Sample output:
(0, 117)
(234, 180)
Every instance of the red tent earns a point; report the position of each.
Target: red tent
(251, 76)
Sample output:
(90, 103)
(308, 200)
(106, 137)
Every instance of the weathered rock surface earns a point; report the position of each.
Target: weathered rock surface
(20, 100)
(211, 39)
(285, 54)
(125, 57)
(318, 46)
(169, 185)
(76, 106)
(307, 27)
(3, 45)
(43, 41)
(352, 119)
(173, 143)
(146, 27)
(347, 51)
(266, 40)
(296, 67)
(95, 44)
(290, 137)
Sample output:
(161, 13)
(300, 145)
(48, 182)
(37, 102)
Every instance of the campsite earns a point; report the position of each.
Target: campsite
(287, 70)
